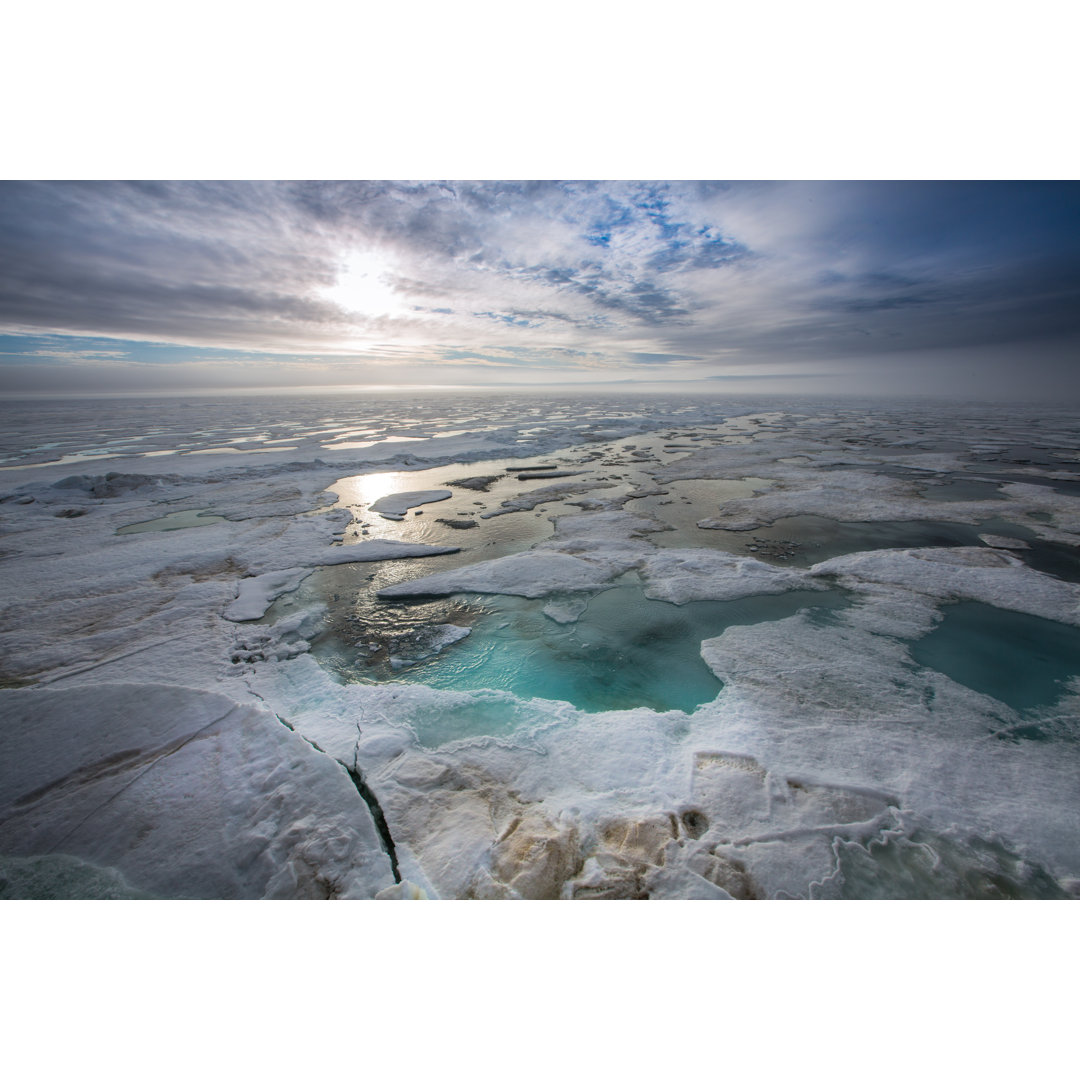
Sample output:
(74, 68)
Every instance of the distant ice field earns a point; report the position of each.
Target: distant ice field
(483, 645)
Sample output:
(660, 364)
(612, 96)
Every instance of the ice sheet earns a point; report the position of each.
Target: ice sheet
(829, 763)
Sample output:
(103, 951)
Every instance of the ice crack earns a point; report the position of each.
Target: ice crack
(377, 815)
(363, 790)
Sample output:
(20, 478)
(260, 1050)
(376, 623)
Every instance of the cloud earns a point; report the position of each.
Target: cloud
(600, 275)
(78, 355)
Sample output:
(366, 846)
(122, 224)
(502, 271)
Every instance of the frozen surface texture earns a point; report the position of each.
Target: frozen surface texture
(173, 725)
(186, 793)
(680, 576)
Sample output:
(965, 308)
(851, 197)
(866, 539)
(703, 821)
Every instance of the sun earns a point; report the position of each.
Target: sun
(363, 286)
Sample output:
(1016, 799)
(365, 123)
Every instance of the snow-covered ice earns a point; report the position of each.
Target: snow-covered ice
(184, 792)
(530, 573)
(682, 575)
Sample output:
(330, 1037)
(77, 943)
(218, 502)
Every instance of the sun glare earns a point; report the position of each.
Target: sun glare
(364, 490)
(363, 286)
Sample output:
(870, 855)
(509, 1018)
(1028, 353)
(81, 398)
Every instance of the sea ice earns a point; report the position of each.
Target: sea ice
(255, 594)
(378, 551)
(984, 574)
(394, 507)
(529, 573)
(185, 793)
(1010, 542)
(566, 610)
(153, 746)
(680, 575)
(552, 493)
(408, 649)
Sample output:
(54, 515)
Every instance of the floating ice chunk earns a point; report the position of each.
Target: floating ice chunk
(647, 490)
(682, 575)
(529, 573)
(377, 551)
(393, 507)
(547, 474)
(565, 611)
(1011, 543)
(423, 643)
(474, 483)
(551, 493)
(613, 502)
(254, 595)
(960, 573)
(287, 638)
(605, 526)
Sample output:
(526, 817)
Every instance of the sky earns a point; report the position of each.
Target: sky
(957, 288)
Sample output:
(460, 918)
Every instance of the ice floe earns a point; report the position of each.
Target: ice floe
(255, 594)
(529, 573)
(408, 649)
(984, 574)
(394, 507)
(1011, 543)
(552, 493)
(681, 575)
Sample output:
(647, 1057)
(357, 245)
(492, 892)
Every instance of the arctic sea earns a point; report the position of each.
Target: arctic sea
(539, 646)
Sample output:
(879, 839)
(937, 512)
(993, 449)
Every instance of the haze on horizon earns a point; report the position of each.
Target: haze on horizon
(965, 289)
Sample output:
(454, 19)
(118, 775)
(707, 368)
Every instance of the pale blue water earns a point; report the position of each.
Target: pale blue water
(1019, 659)
(624, 651)
(179, 519)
